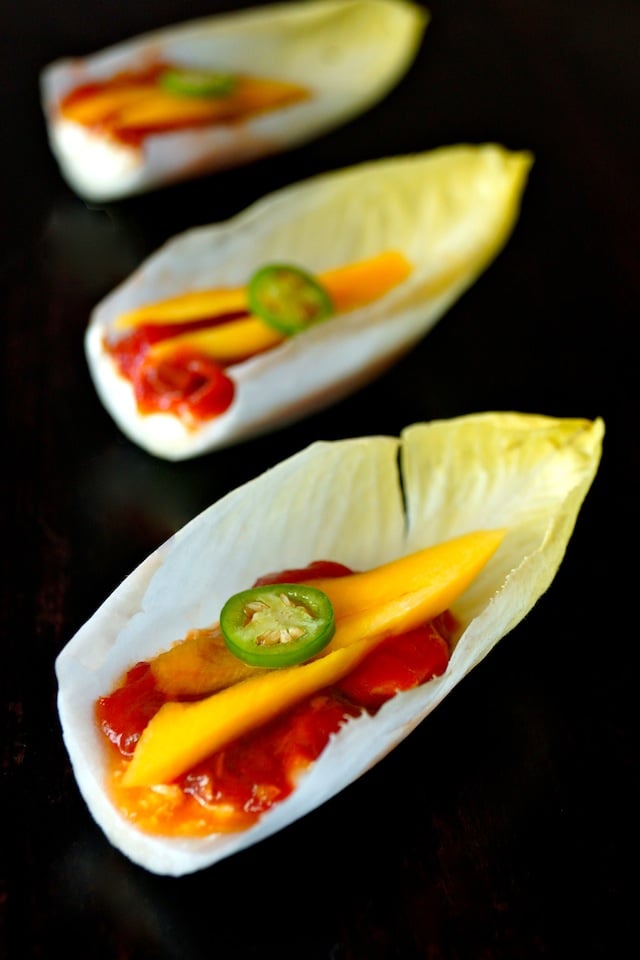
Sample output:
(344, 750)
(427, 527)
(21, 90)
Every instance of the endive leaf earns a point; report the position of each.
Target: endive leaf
(361, 502)
(448, 211)
(347, 53)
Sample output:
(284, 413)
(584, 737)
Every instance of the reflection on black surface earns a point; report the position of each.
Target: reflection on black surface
(253, 900)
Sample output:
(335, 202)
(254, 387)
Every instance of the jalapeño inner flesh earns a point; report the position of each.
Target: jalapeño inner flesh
(287, 298)
(277, 625)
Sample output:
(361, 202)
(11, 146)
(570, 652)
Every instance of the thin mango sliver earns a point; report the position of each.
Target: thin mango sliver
(181, 734)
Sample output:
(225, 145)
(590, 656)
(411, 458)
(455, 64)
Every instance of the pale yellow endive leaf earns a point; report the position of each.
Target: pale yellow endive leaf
(448, 212)
(347, 53)
(362, 502)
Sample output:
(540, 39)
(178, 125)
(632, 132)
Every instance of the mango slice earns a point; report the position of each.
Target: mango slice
(364, 281)
(135, 103)
(185, 307)
(182, 734)
(105, 102)
(435, 574)
(225, 344)
(349, 286)
(198, 665)
(395, 596)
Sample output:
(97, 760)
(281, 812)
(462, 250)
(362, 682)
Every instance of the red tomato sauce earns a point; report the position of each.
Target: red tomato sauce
(231, 788)
(129, 350)
(187, 383)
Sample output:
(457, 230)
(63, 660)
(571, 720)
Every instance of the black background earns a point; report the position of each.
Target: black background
(506, 825)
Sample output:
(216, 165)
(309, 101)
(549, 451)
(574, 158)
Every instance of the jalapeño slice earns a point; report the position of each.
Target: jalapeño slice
(288, 298)
(277, 625)
(197, 83)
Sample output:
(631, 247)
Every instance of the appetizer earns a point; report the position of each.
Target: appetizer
(238, 328)
(221, 91)
(242, 675)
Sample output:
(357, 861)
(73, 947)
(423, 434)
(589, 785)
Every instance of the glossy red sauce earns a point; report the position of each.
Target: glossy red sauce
(129, 350)
(260, 769)
(187, 384)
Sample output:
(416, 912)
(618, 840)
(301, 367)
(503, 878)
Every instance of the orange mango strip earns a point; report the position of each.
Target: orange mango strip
(182, 734)
(162, 109)
(349, 286)
(256, 94)
(105, 103)
(251, 96)
(185, 307)
(201, 663)
(225, 344)
(138, 104)
(357, 284)
(400, 595)
(198, 665)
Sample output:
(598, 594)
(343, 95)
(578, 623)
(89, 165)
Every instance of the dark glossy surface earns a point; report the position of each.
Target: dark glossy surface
(505, 827)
